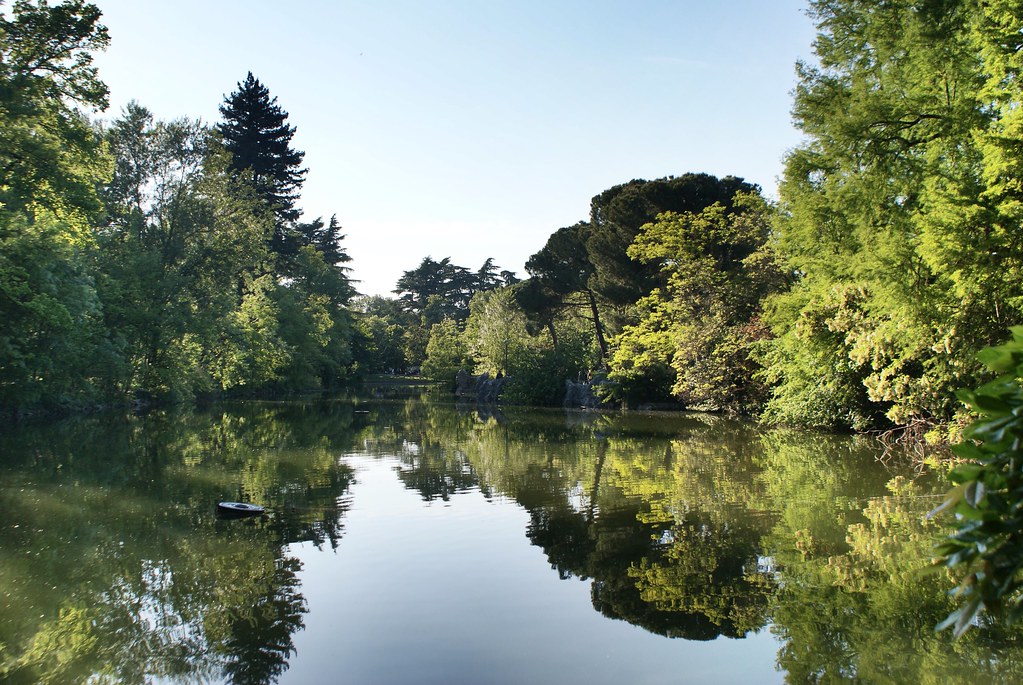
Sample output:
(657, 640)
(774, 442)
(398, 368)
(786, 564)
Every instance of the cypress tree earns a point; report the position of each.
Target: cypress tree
(256, 133)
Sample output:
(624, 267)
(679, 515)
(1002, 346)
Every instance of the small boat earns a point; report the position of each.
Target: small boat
(239, 509)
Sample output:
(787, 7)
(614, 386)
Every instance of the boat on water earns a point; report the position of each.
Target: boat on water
(240, 509)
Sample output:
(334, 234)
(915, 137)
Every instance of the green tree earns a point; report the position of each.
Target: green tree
(326, 238)
(695, 335)
(316, 322)
(899, 213)
(315, 325)
(538, 370)
(560, 277)
(179, 245)
(494, 331)
(380, 324)
(251, 353)
(414, 340)
(436, 290)
(488, 276)
(50, 156)
(53, 348)
(815, 376)
(640, 368)
(256, 133)
(617, 214)
(446, 352)
(498, 338)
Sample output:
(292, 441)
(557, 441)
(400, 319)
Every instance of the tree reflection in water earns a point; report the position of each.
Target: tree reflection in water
(696, 527)
(114, 566)
(693, 576)
(259, 641)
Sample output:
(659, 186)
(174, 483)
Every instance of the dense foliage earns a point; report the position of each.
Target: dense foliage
(860, 299)
(695, 334)
(618, 214)
(899, 215)
(988, 497)
(148, 258)
(559, 283)
(143, 259)
(433, 293)
(52, 345)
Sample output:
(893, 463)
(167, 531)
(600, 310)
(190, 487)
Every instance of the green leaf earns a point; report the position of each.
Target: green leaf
(992, 405)
(966, 472)
(974, 493)
(966, 616)
(998, 359)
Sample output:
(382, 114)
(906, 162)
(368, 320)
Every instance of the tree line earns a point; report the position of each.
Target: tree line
(170, 259)
(657, 294)
(150, 259)
(859, 299)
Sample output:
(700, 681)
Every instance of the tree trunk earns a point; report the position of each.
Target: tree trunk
(598, 329)
(554, 334)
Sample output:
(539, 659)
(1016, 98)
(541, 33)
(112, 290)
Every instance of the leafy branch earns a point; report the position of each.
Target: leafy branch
(988, 495)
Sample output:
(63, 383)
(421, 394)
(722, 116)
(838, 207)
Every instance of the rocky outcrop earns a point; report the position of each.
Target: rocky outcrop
(486, 390)
(483, 388)
(581, 395)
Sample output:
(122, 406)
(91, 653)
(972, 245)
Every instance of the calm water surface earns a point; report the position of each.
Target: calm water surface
(410, 540)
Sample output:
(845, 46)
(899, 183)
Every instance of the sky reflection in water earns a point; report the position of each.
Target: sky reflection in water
(454, 592)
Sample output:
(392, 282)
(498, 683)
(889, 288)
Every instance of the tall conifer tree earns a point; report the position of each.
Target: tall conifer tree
(256, 132)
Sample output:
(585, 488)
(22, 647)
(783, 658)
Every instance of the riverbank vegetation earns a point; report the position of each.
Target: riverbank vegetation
(148, 260)
(858, 300)
(145, 260)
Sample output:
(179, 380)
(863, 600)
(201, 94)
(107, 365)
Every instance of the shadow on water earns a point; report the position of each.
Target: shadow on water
(114, 565)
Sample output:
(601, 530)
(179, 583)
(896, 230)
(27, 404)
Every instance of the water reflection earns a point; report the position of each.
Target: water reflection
(113, 565)
(697, 527)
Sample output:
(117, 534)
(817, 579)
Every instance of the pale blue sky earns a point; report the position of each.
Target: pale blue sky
(475, 129)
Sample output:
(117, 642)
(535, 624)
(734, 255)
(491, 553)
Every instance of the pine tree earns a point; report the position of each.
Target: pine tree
(617, 214)
(256, 132)
(326, 238)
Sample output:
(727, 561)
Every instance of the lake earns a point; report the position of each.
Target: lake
(409, 539)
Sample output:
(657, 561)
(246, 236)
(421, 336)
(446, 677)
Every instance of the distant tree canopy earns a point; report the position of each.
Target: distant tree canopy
(586, 274)
(438, 290)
